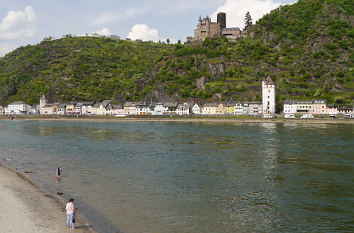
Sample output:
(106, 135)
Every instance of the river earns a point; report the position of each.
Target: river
(169, 177)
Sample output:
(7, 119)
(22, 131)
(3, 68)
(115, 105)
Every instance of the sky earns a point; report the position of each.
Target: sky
(25, 22)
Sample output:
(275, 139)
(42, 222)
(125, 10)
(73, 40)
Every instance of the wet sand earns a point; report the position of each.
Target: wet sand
(27, 209)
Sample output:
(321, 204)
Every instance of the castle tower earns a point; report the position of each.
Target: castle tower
(268, 96)
(207, 24)
(42, 103)
(222, 20)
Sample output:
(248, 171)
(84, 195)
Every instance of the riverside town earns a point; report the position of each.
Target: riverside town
(266, 108)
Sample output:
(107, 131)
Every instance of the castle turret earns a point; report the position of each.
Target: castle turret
(221, 19)
(268, 96)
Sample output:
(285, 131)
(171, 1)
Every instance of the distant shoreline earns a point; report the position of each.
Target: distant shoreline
(181, 119)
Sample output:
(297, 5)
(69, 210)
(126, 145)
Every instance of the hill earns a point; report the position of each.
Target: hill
(307, 48)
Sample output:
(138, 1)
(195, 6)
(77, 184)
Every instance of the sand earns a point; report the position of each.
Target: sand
(24, 208)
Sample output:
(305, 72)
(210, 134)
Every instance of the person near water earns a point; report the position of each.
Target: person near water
(70, 213)
(59, 169)
(74, 218)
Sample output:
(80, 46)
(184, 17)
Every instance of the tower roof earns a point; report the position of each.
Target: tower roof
(269, 81)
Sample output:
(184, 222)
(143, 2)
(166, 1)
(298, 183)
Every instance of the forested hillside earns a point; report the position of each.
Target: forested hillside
(306, 48)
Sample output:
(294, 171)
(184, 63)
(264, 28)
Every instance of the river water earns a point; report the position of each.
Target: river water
(162, 177)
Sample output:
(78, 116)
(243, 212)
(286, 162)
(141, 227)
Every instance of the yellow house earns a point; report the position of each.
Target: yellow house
(220, 109)
(70, 109)
(209, 109)
(230, 107)
(48, 109)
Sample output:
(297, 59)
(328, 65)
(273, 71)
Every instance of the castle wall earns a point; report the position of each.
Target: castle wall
(207, 29)
(231, 32)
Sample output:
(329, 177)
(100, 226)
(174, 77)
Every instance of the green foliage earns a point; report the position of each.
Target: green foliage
(307, 48)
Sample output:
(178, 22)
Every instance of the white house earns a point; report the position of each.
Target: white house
(87, 108)
(150, 109)
(290, 107)
(171, 108)
(17, 108)
(118, 110)
(268, 96)
(331, 109)
(159, 109)
(196, 109)
(255, 108)
(130, 108)
(141, 109)
(1, 110)
(246, 109)
(101, 110)
(61, 109)
(238, 109)
(183, 109)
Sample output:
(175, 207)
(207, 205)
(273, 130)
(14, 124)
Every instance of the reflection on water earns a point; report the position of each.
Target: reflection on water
(193, 177)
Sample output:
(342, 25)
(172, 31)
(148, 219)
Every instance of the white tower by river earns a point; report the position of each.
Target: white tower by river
(268, 96)
(42, 102)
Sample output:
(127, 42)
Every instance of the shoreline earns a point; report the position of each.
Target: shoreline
(184, 119)
(28, 208)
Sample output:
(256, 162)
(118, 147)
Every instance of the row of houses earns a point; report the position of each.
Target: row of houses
(142, 108)
(314, 107)
(133, 108)
(291, 107)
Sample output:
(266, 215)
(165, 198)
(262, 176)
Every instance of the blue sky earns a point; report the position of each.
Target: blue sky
(25, 22)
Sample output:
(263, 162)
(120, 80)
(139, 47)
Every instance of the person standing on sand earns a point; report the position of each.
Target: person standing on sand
(74, 218)
(59, 169)
(70, 213)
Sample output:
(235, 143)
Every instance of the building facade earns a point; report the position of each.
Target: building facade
(18, 108)
(268, 96)
(206, 28)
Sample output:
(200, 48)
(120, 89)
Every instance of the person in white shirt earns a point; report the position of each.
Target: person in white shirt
(70, 213)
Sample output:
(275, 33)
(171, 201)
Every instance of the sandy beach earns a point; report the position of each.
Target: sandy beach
(27, 209)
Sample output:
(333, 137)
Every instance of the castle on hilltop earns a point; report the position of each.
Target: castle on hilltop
(207, 28)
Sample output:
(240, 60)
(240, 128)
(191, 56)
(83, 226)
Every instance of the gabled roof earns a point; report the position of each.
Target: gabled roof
(79, 105)
(184, 105)
(210, 105)
(117, 106)
(88, 103)
(269, 81)
(105, 103)
(170, 104)
(129, 104)
(230, 103)
(96, 105)
(17, 103)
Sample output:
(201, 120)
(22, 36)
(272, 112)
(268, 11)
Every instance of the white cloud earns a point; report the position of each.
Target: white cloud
(104, 32)
(18, 24)
(5, 48)
(236, 10)
(143, 32)
(114, 17)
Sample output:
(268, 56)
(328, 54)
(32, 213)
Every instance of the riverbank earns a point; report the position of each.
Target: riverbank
(26, 208)
(184, 119)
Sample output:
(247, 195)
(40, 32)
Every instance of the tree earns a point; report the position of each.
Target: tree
(168, 41)
(248, 21)
(179, 42)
